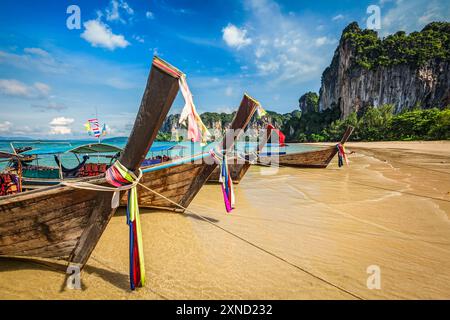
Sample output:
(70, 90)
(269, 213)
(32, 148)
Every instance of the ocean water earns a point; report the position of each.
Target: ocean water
(70, 160)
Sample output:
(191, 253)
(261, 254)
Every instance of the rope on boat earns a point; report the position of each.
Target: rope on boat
(253, 244)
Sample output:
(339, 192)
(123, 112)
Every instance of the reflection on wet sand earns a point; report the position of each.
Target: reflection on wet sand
(309, 234)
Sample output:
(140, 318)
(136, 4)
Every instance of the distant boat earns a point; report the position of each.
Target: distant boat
(320, 158)
(66, 223)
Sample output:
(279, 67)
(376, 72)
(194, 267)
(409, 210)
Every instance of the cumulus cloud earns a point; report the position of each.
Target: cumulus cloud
(61, 126)
(279, 45)
(149, 15)
(5, 126)
(60, 130)
(61, 121)
(235, 37)
(15, 88)
(99, 34)
(412, 15)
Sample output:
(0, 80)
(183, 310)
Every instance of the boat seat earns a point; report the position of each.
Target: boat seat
(9, 184)
(92, 169)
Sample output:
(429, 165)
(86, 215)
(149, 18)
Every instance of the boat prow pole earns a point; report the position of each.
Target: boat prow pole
(160, 92)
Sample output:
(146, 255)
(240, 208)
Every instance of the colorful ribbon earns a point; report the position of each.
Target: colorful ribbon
(224, 179)
(341, 155)
(119, 176)
(197, 131)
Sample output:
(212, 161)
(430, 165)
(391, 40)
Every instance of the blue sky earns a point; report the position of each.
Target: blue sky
(52, 79)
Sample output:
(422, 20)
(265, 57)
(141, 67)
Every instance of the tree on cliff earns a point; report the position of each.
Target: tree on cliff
(309, 102)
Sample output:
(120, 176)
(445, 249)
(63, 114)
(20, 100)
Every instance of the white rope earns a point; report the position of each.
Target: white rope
(115, 201)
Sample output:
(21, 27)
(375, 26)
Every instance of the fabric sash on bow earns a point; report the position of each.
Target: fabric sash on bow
(118, 176)
(341, 155)
(224, 179)
(197, 131)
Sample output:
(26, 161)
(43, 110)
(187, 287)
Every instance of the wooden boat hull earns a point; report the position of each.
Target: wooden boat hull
(309, 159)
(45, 224)
(66, 223)
(174, 183)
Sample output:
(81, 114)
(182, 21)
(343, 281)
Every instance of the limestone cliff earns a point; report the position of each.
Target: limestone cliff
(403, 70)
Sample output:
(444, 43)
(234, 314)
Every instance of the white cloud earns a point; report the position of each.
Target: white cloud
(113, 12)
(34, 59)
(61, 121)
(321, 41)
(37, 51)
(149, 15)
(338, 17)
(99, 34)
(51, 106)
(12, 87)
(235, 37)
(138, 38)
(5, 126)
(280, 45)
(42, 88)
(259, 52)
(60, 130)
(60, 126)
(413, 15)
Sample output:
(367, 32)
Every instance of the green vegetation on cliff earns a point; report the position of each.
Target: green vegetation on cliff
(378, 124)
(416, 48)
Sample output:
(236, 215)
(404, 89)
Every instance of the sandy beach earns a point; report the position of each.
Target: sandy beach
(295, 234)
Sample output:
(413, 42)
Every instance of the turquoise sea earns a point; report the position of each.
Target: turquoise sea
(70, 160)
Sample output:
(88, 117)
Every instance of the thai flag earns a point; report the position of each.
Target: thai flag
(95, 127)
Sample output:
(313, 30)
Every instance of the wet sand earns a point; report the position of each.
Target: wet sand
(304, 234)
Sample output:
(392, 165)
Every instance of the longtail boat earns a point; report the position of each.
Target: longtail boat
(319, 158)
(63, 222)
(39, 176)
(175, 183)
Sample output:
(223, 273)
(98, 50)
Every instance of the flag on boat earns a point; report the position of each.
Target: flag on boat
(197, 131)
(92, 127)
(281, 136)
(260, 111)
(104, 130)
